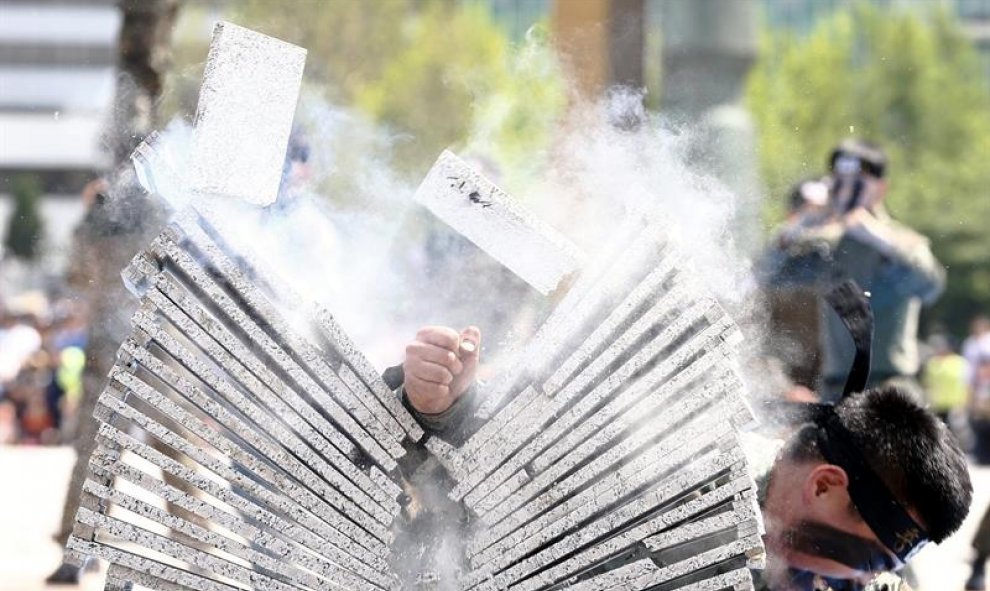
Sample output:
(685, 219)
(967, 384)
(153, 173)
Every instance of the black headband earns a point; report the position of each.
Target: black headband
(852, 306)
(888, 519)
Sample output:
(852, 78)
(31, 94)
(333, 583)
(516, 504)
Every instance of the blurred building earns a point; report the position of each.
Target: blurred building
(56, 86)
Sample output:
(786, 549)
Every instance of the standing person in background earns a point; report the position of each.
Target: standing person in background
(790, 296)
(944, 379)
(977, 344)
(858, 240)
(976, 350)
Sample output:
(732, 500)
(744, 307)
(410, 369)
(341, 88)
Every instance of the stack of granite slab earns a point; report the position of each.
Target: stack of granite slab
(246, 443)
(610, 457)
(271, 439)
(268, 443)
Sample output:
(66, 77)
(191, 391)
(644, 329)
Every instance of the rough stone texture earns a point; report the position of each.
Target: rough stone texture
(484, 214)
(609, 458)
(244, 116)
(287, 446)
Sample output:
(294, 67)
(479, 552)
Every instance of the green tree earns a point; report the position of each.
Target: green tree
(911, 82)
(25, 227)
(436, 73)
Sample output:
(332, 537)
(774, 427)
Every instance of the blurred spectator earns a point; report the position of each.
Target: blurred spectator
(19, 340)
(791, 302)
(41, 360)
(857, 239)
(976, 348)
(944, 379)
(8, 422)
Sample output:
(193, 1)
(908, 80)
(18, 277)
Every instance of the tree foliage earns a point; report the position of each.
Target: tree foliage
(25, 227)
(436, 73)
(911, 82)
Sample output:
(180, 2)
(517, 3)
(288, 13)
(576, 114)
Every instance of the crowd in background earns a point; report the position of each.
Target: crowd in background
(42, 355)
(956, 377)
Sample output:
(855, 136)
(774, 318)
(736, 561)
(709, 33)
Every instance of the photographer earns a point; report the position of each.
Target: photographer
(857, 239)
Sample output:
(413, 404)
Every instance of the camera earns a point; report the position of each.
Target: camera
(853, 164)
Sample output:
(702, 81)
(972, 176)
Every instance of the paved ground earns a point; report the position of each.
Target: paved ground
(33, 480)
(32, 490)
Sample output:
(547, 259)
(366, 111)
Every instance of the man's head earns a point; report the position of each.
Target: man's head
(980, 325)
(940, 344)
(855, 156)
(859, 171)
(820, 529)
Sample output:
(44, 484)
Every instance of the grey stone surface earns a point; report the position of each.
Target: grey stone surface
(244, 117)
(277, 441)
(502, 227)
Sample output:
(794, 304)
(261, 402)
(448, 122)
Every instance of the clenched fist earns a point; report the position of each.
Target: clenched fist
(440, 366)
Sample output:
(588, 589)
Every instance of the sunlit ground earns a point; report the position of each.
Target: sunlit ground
(32, 488)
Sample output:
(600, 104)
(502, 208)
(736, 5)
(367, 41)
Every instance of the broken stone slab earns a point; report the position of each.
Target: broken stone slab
(328, 393)
(734, 580)
(496, 223)
(569, 418)
(584, 303)
(701, 311)
(296, 379)
(286, 526)
(336, 469)
(551, 510)
(669, 515)
(641, 399)
(336, 341)
(743, 548)
(213, 564)
(331, 507)
(490, 566)
(146, 571)
(495, 427)
(651, 288)
(563, 504)
(607, 448)
(234, 357)
(193, 535)
(229, 353)
(188, 230)
(244, 116)
(480, 479)
(320, 556)
(256, 428)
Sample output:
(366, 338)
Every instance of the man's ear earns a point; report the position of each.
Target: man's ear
(822, 480)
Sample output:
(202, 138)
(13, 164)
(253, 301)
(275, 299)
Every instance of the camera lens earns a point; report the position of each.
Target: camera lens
(846, 165)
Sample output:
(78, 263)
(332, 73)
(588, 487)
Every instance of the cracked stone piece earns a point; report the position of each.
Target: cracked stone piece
(244, 116)
(496, 223)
